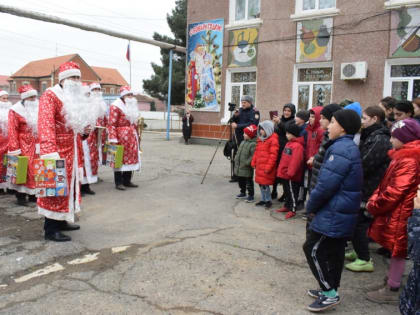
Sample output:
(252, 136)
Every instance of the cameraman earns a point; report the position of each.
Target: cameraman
(245, 117)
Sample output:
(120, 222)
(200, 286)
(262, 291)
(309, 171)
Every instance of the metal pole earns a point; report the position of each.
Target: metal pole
(129, 47)
(169, 94)
(91, 28)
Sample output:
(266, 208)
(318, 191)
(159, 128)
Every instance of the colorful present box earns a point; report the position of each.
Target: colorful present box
(17, 169)
(3, 169)
(114, 155)
(50, 177)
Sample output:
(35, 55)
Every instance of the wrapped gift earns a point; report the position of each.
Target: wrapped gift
(3, 169)
(114, 155)
(50, 177)
(17, 169)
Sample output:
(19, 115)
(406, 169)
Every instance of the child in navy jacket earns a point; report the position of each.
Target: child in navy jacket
(335, 203)
(291, 169)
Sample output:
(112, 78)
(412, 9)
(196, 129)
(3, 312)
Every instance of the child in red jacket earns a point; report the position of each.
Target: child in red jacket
(291, 169)
(264, 161)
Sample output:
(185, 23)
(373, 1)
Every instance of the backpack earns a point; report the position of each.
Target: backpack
(229, 147)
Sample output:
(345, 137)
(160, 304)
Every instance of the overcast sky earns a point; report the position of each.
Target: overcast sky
(23, 40)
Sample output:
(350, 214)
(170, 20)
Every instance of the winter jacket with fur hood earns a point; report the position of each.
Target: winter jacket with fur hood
(265, 156)
(392, 202)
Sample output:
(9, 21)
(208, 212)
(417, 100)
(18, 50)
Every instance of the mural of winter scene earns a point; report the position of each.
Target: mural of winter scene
(204, 65)
(243, 47)
(314, 40)
(405, 33)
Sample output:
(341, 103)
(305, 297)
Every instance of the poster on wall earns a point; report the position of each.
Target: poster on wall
(405, 33)
(314, 40)
(204, 65)
(243, 47)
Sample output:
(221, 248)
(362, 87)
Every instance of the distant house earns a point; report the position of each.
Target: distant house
(42, 74)
(145, 103)
(4, 83)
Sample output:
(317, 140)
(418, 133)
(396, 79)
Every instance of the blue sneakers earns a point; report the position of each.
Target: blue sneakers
(250, 199)
(241, 196)
(323, 303)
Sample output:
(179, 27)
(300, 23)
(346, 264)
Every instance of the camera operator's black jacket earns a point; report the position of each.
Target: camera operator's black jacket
(245, 118)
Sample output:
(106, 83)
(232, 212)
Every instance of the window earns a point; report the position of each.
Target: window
(396, 4)
(313, 86)
(238, 83)
(309, 9)
(247, 9)
(12, 87)
(43, 86)
(402, 81)
(112, 91)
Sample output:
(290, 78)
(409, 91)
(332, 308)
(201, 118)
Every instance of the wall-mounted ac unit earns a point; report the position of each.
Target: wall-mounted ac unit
(354, 71)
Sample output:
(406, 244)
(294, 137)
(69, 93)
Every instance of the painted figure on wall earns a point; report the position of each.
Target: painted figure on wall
(314, 40)
(405, 34)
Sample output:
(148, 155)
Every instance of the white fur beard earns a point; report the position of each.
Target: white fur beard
(132, 112)
(32, 117)
(98, 103)
(4, 117)
(77, 111)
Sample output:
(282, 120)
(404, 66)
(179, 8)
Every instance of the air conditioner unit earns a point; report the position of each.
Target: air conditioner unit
(354, 71)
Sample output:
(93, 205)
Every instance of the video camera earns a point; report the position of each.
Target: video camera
(231, 107)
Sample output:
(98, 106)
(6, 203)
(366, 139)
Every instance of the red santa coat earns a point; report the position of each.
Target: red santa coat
(122, 131)
(393, 201)
(92, 153)
(3, 151)
(22, 141)
(57, 140)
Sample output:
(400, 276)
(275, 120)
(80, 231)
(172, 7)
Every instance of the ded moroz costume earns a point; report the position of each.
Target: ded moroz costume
(4, 112)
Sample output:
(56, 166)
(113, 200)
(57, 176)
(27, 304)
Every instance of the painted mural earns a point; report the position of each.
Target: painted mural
(243, 47)
(204, 65)
(405, 33)
(314, 40)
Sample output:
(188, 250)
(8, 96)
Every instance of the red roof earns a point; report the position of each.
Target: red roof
(43, 67)
(3, 80)
(110, 76)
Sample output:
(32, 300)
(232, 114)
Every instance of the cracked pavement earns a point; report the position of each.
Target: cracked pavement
(193, 249)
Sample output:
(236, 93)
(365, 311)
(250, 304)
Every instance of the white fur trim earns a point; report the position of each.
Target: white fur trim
(58, 91)
(112, 140)
(60, 216)
(53, 155)
(94, 86)
(3, 92)
(119, 104)
(69, 73)
(37, 148)
(28, 94)
(125, 92)
(19, 109)
(16, 152)
(90, 178)
(22, 189)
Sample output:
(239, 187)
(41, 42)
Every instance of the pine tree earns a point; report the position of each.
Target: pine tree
(157, 85)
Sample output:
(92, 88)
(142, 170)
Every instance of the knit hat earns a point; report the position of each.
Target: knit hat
(406, 130)
(329, 110)
(293, 129)
(247, 98)
(356, 107)
(303, 114)
(349, 120)
(251, 131)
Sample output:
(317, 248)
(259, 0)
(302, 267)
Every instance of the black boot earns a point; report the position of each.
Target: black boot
(127, 180)
(32, 198)
(21, 199)
(85, 189)
(118, 178)
(57, 237)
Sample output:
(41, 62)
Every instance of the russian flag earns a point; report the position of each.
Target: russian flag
(127, 55)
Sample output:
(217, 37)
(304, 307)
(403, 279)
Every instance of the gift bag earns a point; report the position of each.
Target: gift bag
(50, 177)
(114, 155)
(17, 169)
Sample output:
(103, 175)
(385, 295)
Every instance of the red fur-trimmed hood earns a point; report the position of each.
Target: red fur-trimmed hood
(411, 149)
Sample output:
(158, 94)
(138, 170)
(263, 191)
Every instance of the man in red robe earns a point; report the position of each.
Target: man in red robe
(23, 139)
(122, 129)
(4, 114)
(62, 121)
(92, 146)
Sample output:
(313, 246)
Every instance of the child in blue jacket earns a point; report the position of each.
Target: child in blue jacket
(335, 202)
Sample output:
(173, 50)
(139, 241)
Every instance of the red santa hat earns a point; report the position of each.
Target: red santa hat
(67, 70)
(124, 90)
(95, 85)
(26, 91)
(3, 92)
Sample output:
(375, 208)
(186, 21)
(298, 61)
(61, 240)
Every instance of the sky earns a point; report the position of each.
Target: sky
(23, 40)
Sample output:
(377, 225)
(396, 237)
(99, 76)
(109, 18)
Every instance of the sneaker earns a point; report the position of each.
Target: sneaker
(284, 209)
(386, 295)
(304, 217)
(290, 215)
(268, 204)
(241, 196)
(314, 293)
(360, 265)
(250, 199)
(352, 256)
(260, 203)
(323, 303)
